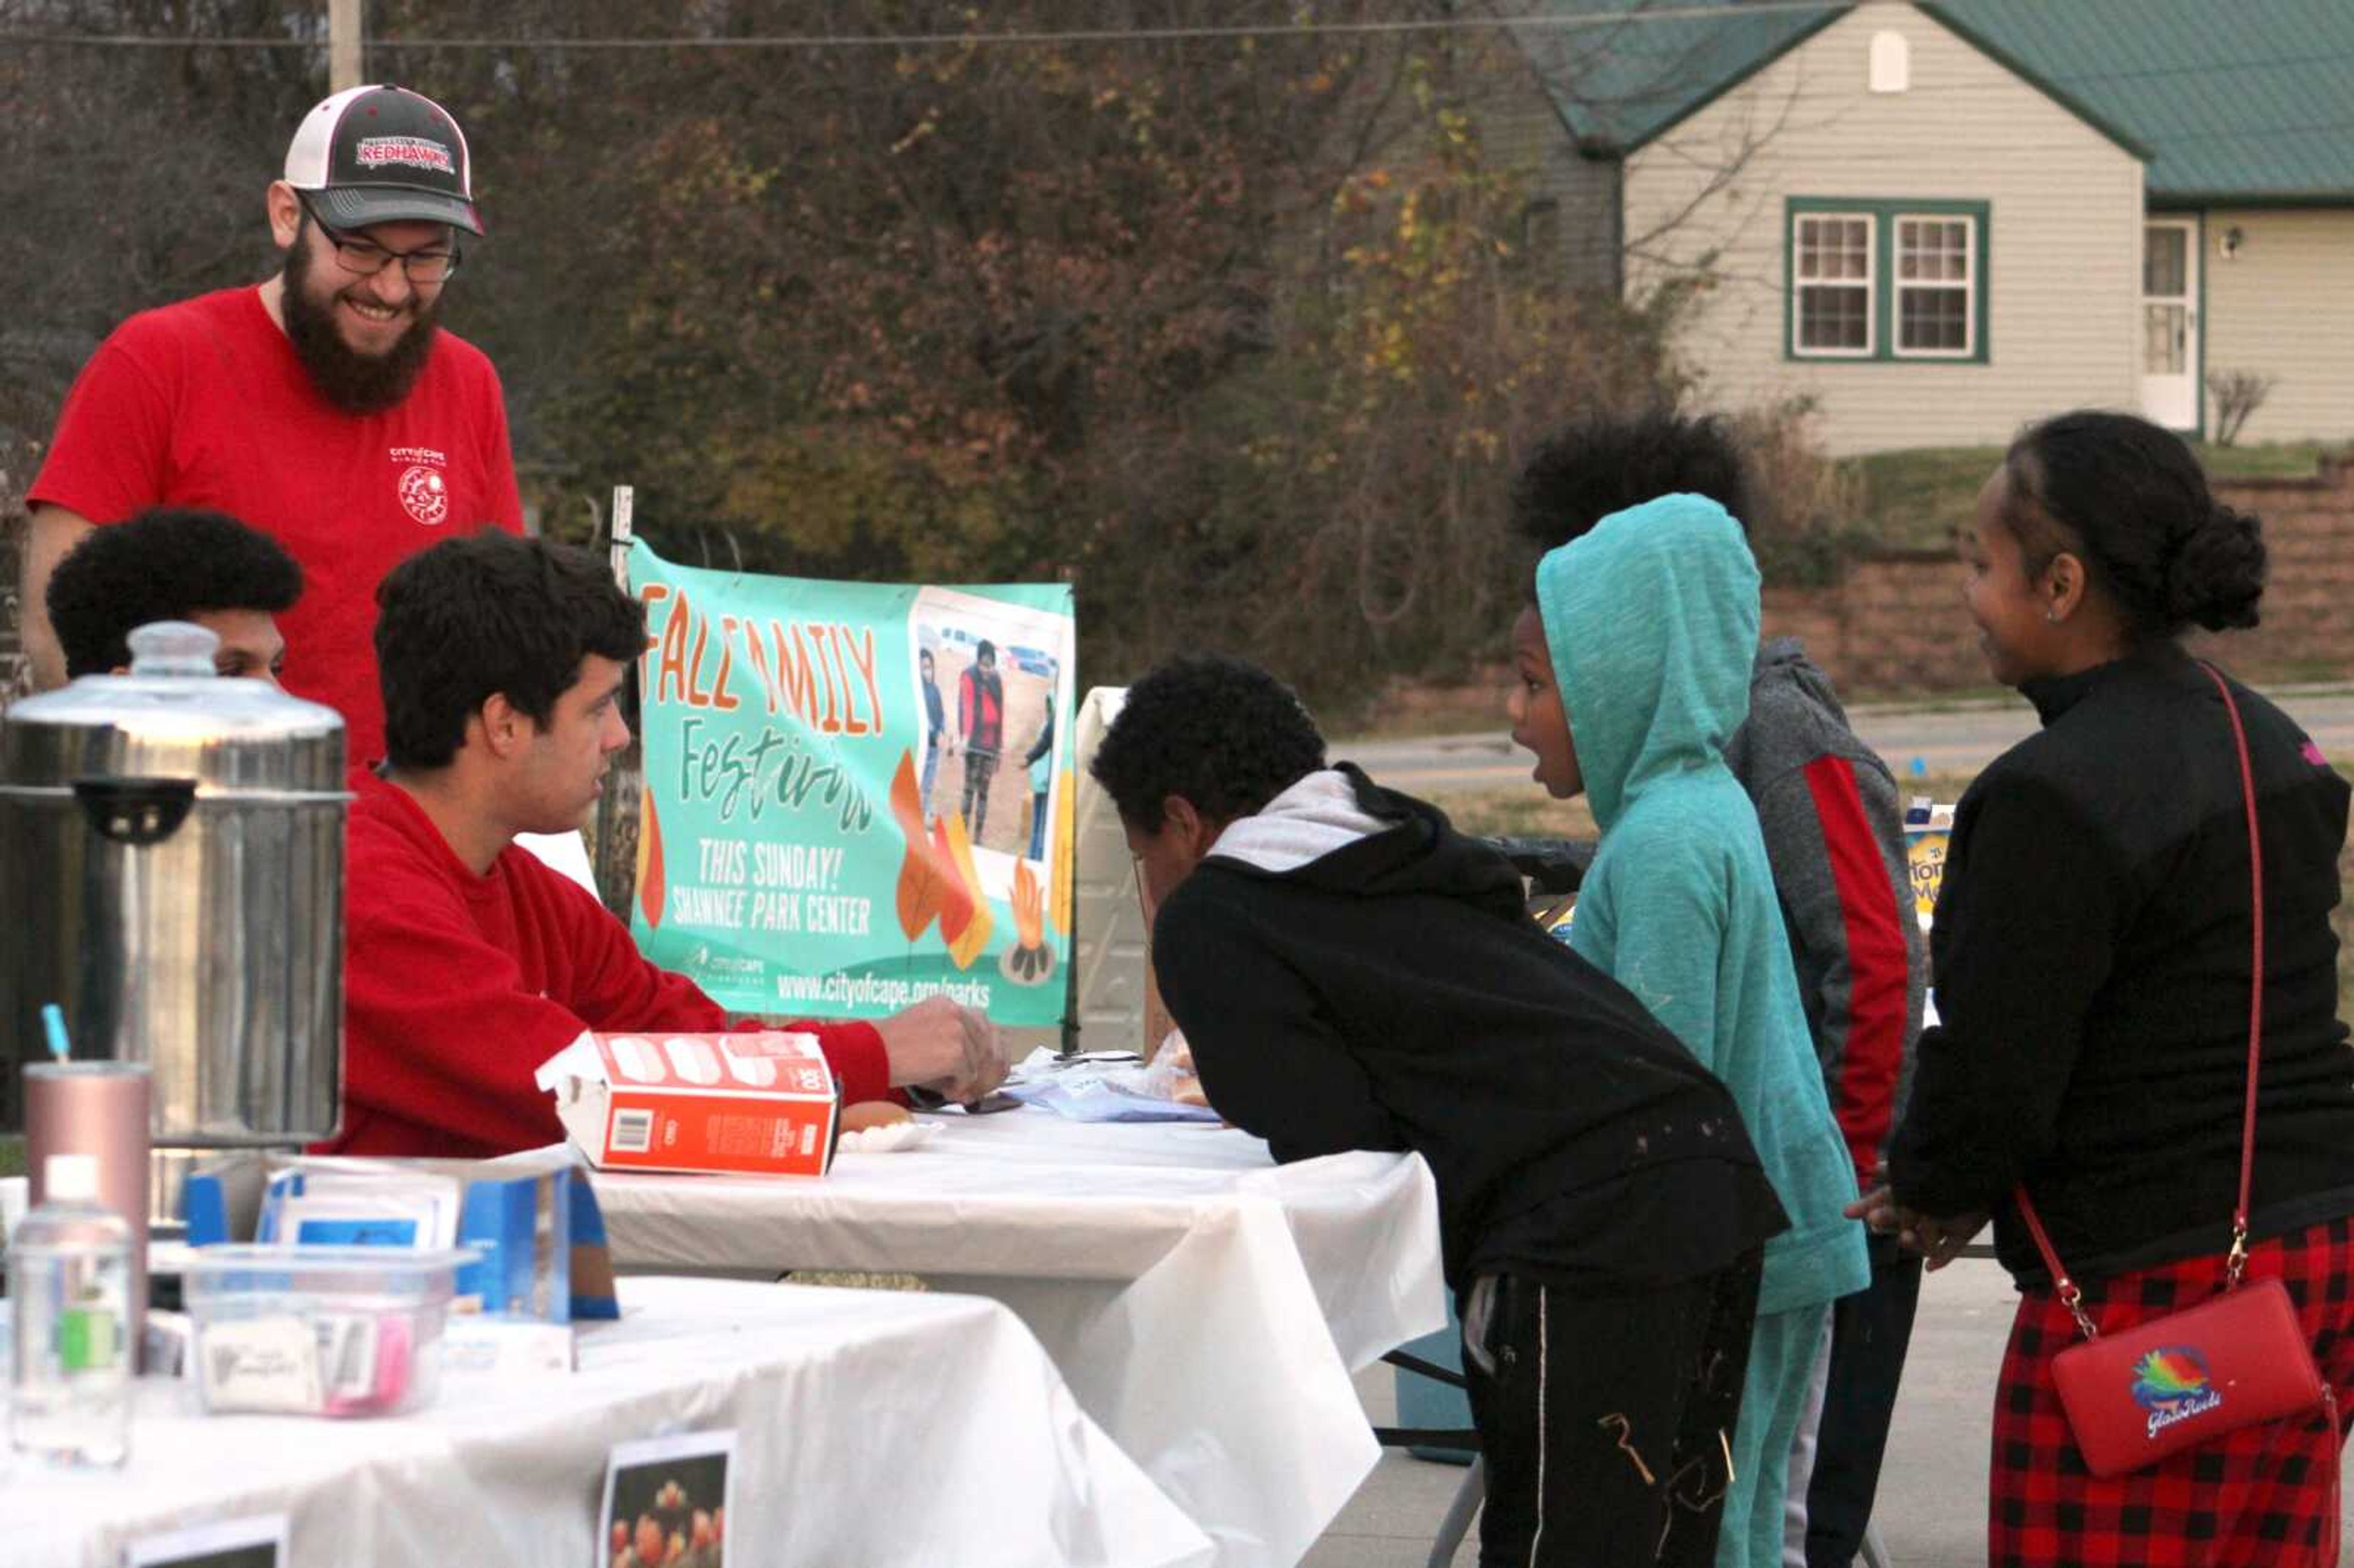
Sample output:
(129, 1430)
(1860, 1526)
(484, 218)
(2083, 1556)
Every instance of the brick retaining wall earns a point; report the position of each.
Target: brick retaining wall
(1895, 622)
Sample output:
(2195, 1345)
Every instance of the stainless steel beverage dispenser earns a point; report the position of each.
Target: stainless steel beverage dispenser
(171, 875)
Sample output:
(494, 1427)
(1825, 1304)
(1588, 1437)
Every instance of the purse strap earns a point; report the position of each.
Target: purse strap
(2070, 1295)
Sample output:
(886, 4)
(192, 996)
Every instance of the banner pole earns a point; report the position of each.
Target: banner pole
(624, 504)
(1066, 850)
(613, 831)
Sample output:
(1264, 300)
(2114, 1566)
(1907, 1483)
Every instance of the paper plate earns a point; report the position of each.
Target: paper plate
(896, 1139)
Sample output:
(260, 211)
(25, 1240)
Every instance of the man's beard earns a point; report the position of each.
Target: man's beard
(355, 383)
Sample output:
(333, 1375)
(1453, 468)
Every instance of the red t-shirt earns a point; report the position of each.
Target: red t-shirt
(205, 404)
(457, 987)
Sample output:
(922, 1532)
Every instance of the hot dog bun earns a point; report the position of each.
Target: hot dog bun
(873, 1113)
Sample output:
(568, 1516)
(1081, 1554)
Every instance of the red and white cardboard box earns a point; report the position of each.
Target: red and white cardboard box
(760, 1105)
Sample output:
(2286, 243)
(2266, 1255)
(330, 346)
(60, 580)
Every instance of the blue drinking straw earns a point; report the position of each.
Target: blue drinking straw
(53, 1020)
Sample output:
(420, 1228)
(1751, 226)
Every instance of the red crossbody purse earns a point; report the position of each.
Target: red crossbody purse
(2134, 1396)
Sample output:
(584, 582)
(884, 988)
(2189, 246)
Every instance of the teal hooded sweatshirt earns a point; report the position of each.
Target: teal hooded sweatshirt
(1652, 620)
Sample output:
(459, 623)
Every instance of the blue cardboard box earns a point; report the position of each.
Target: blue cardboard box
(533, 1217)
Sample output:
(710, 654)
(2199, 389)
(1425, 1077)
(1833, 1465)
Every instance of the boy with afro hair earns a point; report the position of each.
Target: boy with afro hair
(174, 564)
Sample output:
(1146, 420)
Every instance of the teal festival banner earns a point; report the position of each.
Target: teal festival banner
(848, 806)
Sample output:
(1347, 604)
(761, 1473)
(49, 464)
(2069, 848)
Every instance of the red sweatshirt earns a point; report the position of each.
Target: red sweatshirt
(457, 987)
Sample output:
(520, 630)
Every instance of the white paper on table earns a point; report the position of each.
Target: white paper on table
(1085, 1090)
(367, 1208)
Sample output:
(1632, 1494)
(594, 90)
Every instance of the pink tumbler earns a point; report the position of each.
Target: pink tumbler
(99, 1108)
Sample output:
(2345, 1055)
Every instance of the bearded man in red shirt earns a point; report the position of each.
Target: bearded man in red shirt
(324, 406)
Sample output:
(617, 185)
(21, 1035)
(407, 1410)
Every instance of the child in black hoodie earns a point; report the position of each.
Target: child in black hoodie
(1352, 973)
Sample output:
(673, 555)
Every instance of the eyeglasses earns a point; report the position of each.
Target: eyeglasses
(427, 267)
(1144, 902)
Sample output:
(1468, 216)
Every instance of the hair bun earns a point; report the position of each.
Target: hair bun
(2217, 576)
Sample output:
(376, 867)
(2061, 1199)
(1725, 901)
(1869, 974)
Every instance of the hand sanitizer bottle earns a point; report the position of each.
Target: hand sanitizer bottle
(69, 1286)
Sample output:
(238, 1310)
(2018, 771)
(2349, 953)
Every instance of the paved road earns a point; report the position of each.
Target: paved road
(1947, 740)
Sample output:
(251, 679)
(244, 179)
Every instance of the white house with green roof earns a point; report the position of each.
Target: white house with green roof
(1938, 220)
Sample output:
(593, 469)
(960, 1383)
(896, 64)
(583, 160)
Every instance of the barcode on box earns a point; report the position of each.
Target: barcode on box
(633, 1131)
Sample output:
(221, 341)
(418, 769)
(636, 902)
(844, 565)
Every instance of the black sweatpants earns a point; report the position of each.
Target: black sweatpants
(1870, 1333)
(1606, 1421)
(980, 768)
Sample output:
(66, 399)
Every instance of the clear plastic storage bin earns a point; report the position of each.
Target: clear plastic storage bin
(320, 1330)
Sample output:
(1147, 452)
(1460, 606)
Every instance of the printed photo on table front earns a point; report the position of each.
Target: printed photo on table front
(667, 1513)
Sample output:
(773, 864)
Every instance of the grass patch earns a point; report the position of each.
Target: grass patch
(1406, 710)
(1917, 498)
(2266, 460)
(836, 1279)
(1914, 499)
(1522, 811)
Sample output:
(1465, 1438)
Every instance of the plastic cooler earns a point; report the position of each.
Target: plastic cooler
(320, 1330)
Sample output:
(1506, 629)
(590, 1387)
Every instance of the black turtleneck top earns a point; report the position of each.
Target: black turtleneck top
(2092, 960)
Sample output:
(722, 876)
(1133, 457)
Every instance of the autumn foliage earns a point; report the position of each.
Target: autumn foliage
(1234, 332)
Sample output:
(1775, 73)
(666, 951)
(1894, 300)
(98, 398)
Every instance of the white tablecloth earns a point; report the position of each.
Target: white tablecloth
(872, 1428)
(1206, 1306)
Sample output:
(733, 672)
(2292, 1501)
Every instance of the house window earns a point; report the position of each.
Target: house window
(1887, 280)
(1934, 263)
(1833, 269)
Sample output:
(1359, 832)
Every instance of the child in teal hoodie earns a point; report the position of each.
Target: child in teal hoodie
(1633, 670)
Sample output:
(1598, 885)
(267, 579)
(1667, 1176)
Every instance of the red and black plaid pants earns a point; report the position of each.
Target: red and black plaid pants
(2264, 1495)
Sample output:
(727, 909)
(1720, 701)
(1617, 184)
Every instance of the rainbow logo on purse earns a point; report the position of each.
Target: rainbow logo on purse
(2171, 1384)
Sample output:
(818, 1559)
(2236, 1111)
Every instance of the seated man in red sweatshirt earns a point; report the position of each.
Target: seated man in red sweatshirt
(469, 962)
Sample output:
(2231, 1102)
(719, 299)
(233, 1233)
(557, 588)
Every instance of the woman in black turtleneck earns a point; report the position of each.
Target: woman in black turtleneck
(2092, 958)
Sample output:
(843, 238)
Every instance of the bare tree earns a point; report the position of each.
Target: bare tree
(2238, 394)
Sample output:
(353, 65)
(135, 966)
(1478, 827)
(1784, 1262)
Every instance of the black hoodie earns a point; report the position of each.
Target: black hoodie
(1352, 973)
(2092, 959)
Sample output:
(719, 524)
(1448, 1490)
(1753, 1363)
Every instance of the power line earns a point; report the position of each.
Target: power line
(1240, 31)
(1644, 16)
(1638, 15)
(1668, 87)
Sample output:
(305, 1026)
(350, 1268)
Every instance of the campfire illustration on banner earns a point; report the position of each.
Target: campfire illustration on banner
(937, 879)
(1030, 961)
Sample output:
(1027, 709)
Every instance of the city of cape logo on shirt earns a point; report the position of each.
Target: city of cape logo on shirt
(423, 489)
(416, 152)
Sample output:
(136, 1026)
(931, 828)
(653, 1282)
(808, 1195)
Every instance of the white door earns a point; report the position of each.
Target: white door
(2169, 322)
